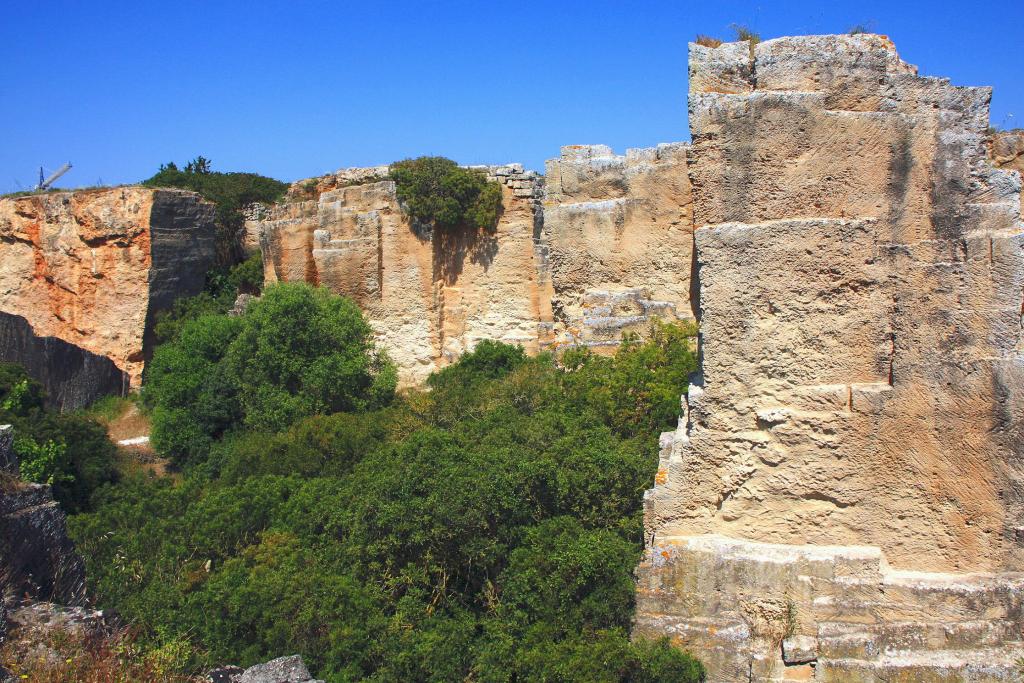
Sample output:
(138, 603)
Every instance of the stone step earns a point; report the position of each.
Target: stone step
(922, 597)
(990, 665)
(869, 642)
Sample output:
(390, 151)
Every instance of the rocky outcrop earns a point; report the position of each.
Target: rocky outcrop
(73, 377)
(1008, 149)
(842, 499)
(38, 560)
(601, 253)
(92, 267)
(428, 296)
(281, 670)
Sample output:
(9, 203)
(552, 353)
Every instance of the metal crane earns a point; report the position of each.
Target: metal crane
(45, 184)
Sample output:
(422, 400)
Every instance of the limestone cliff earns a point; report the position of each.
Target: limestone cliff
(428, 296)
(92, 267)
(842, 499)
(618, 234)
(602, 251)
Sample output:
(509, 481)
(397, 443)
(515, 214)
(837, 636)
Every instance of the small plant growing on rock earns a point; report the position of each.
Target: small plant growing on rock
(745, 33)
(437, 191)
(707, 41)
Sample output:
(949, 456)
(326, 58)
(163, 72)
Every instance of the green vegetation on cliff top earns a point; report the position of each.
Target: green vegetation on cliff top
(229, 191)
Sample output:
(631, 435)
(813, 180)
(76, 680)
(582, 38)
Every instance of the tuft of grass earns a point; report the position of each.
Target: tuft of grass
(707, 41)
(858, 29)
(745, 33)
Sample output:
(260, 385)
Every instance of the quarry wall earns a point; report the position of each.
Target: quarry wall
(842, 498)
(601, 251)
(72, 377)
(92, 267)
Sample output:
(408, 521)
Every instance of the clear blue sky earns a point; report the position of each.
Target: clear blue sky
(301, 88)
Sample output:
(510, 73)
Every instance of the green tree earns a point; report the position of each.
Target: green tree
(438, 191)
(302, 350)
(486, 530)
(71, 452)
(297, 351)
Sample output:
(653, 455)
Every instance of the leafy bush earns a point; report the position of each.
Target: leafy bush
(438, 191)
(297, 351)
(45, 463)
(485, 530)
(229, 191)
(223, 285)
(70, 452)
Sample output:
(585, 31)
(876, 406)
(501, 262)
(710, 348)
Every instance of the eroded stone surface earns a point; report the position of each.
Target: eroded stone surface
(289, 669)
(605, 252)
(1008, 150)
(847, 467)
(38, 560)
(91, 267)
(618, 234)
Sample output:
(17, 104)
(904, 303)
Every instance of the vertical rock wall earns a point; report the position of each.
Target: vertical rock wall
(842, 498)
(72, 377)
(601, 253)
(429, 296)
(619, 234)
(92, 267)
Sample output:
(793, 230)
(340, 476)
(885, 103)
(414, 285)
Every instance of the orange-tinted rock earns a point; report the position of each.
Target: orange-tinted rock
(92, 267)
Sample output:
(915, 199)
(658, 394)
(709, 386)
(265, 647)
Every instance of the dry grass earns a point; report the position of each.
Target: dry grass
(746, 33)
(10, 483)
(60, 657)
(707, 41)
(125, 420)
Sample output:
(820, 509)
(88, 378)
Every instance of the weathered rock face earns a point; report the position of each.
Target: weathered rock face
(92, 267)
(428, 296)
(1008, 149)
(73, 377)
(618, 234)
(281, 670)
(847, 470)
(38, 560)
(606, 250)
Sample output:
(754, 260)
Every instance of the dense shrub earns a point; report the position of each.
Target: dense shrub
(70, 452)
(439, 192)
(229, 191)
(485, 530)
(223, 285)
(297, 351)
